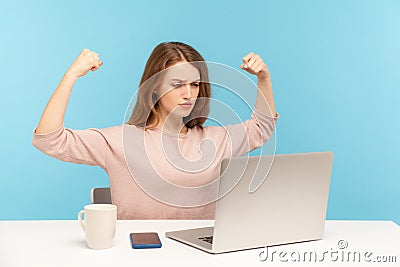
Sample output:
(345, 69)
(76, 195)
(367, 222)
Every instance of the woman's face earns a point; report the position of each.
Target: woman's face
(179, 90)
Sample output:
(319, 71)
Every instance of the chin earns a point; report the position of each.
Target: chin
(181, 114)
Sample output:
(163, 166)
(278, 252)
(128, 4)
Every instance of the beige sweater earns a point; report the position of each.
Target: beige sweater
(108, 148)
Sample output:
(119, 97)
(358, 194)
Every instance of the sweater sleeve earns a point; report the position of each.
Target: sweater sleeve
(77, 146)
(250, 134)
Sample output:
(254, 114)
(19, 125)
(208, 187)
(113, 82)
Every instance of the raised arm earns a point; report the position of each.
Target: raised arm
(53, 115)
(253, 133)
(254, 64)
(78, 146)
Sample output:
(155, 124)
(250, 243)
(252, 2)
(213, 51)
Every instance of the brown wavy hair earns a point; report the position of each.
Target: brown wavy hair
(145, 113)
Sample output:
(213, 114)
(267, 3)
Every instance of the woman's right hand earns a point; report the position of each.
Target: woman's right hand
(87, 60)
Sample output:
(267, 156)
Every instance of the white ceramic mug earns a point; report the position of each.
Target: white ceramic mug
(99, 226)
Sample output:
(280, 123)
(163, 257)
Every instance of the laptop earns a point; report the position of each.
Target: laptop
(279, 199)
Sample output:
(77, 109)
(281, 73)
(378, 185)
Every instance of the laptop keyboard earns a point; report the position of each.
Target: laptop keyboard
(208, 239)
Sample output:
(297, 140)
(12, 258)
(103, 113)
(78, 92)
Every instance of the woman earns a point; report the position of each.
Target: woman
(169, 111)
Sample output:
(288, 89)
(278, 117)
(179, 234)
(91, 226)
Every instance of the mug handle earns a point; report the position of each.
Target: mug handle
(80, 219)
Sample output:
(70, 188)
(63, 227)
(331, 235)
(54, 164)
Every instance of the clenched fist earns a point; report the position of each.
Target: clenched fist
(254, 64)
(87, 60)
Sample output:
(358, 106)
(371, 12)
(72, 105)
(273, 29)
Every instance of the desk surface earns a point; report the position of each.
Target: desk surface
(62, 243)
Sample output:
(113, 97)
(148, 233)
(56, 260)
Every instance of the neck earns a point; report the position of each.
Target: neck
(171, 124)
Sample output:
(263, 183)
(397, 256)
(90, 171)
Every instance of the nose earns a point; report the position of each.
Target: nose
(187, 94)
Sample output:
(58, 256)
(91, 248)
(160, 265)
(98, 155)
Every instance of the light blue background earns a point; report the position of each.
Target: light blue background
(334, 65)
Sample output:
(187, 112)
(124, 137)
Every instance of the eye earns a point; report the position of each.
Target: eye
(175, 85)
(196, 84)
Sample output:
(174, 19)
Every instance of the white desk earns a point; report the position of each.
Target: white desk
(62, 243)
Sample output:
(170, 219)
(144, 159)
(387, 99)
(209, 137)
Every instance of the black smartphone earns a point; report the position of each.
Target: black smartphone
(145, 240)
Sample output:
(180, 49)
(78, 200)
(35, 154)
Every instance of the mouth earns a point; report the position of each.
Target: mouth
(186, 104)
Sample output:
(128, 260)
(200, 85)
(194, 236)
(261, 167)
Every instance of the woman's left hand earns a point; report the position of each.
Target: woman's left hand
(253, 64)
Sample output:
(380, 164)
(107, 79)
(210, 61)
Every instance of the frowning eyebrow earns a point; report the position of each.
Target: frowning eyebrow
(179, 80)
